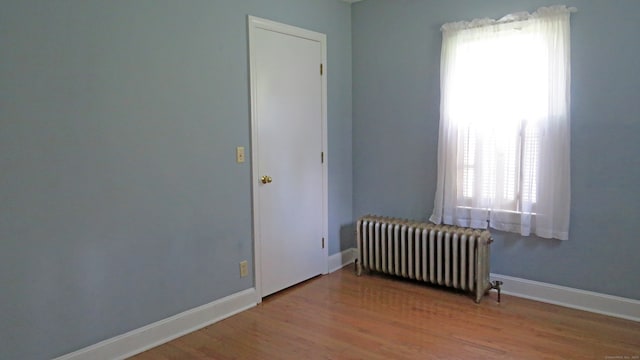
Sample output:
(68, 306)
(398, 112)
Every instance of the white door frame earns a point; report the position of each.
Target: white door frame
(258, 23)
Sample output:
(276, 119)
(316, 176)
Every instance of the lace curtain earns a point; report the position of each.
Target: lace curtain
(503, 151)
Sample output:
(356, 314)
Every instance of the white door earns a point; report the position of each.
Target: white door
(288, 126)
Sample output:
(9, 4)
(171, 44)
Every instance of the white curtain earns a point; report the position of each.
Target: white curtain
(503, 151)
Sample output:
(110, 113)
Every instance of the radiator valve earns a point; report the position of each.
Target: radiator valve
(497, 285)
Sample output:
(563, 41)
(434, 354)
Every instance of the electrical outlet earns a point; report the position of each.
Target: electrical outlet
(240, 154)
(244, 268)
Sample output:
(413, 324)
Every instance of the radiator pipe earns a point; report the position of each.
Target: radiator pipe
(497, 285)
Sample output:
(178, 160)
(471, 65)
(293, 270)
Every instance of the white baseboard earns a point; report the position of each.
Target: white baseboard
(160, 332)
(548, 293)
(569, 297)
(341, 259)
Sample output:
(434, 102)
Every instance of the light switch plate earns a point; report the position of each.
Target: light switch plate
(240, 154)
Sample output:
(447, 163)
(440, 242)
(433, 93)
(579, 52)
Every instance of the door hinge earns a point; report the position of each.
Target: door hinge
(323, 243)
(322, 157)
(321, 72)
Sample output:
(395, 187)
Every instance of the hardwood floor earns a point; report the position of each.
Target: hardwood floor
(342, 316)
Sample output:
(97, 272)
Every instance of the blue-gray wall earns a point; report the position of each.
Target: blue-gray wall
(396, 61)
(120, 200)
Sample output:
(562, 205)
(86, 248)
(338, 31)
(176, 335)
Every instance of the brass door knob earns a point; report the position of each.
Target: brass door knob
(266, 179)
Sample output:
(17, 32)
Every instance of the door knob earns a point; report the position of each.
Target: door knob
(266, 179)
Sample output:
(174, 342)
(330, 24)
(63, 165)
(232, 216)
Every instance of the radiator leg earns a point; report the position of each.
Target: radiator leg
(358, 268)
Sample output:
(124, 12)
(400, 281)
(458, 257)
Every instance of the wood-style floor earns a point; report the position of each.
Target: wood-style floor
(342, 316)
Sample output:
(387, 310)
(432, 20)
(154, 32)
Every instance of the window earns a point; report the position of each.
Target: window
(503, 152)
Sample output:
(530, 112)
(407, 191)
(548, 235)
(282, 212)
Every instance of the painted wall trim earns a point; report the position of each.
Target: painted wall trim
(339, 260)
(160, 332)
(569, 297)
